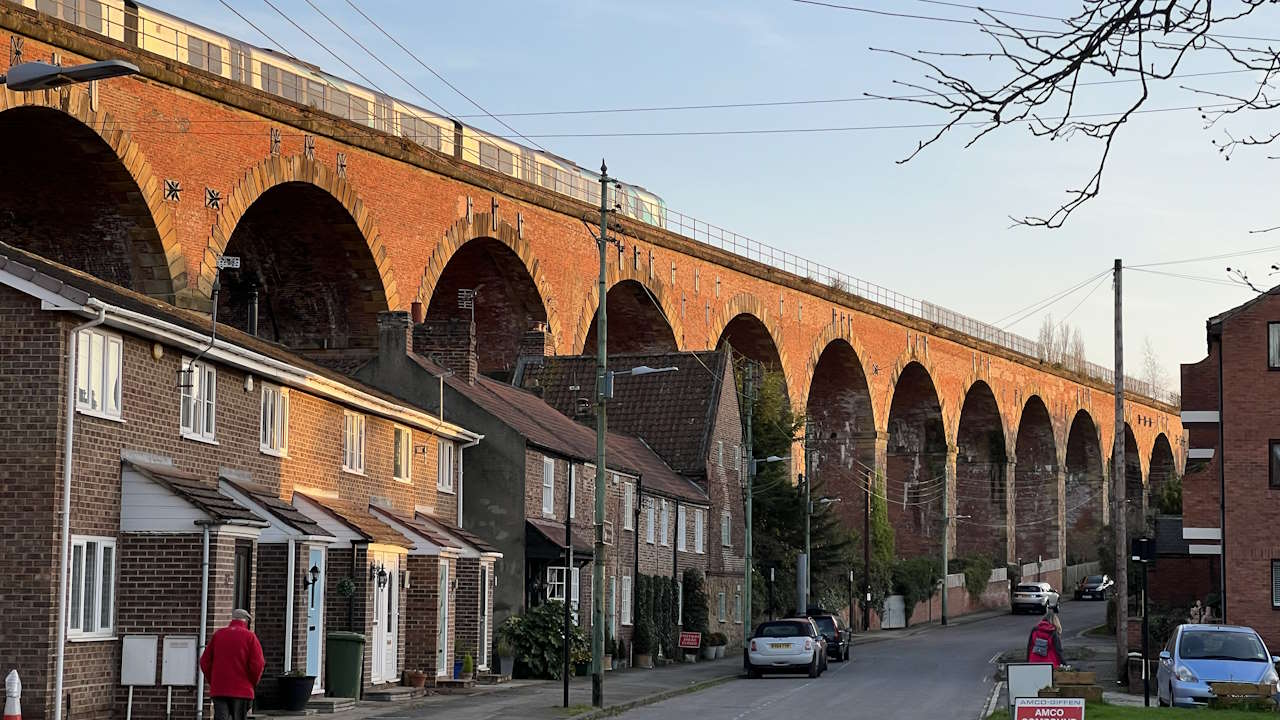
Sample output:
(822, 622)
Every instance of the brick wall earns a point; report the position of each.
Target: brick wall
(467, 601)
(421, 616)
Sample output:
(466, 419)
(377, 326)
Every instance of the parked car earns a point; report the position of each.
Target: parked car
(1033, 597)
(1095, 587)
(789, 645)
(835, 632)
(1197, 655)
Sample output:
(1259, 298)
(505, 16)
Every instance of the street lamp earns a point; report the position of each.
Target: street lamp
(808, 515)
(752, 466)
(44, 76)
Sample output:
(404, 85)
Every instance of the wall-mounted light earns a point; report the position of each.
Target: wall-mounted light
(157, 350)
(378, 573)
(404, 580)
(248, 383)
(309, 581)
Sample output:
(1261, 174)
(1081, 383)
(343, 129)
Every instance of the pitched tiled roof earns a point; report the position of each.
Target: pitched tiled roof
(75, 284)
(283, 511)
(674, 411)
(358, 517)
(416, 525)
(655, 475)
(466, 537)
(200, 494)
(554, 533)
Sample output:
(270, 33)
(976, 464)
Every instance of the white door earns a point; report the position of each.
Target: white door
(483, 661)
(391, 620)
(315, 615)
(442, 612)
(381, 605)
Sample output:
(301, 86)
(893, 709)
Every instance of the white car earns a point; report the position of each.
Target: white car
(1033, 597)
(790, 645)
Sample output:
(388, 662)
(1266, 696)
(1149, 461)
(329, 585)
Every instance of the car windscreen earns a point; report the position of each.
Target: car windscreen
(781, 630)
(1093, 580)
(1219, 645)
(1029, 589)
(826, 624)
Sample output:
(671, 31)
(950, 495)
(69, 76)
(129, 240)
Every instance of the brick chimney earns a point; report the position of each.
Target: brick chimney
(395, 339)
(451, 343)
(535, 341)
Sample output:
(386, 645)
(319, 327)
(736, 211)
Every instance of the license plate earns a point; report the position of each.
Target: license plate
(779, 646)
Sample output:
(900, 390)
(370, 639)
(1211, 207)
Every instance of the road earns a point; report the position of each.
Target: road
(940, 672)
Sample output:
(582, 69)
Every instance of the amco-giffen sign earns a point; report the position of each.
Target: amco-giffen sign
(1049, 709)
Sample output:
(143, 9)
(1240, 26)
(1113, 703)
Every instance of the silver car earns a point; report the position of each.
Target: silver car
(1033, 597)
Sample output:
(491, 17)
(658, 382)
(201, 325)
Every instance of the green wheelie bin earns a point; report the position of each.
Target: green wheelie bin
(344, 662)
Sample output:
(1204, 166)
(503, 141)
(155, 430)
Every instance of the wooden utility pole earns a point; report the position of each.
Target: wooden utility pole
(1119, 513)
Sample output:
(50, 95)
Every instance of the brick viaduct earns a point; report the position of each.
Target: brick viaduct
(147, 180)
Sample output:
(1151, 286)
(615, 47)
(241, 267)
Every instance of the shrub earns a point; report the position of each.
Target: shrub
(468, 664)
(716, 639)
(977, 575)
(536, 639)
(696, 614)
(915, 580)
(642, 639)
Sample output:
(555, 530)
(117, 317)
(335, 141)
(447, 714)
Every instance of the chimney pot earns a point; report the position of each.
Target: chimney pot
(418, 313)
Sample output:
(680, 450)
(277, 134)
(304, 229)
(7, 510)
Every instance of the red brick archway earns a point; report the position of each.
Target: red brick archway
(126, 204)
(980, 488)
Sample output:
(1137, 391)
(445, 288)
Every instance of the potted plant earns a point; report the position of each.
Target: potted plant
(414, 678)
(642, 643)
(506, 658)
(295, 688)
(468, 667)
(718, 641)
(619, 655)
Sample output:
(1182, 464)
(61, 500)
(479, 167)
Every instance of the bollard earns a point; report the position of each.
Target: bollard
(12, 696)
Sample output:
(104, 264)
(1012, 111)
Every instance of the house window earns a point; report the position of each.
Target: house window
(273, 425)
(242, 578)
(666, 523)
(613, 605)
(681, 542)
(720, 606)
(737, 457)
(93, 578)
(1273, 345)
(548, 487)
(699, 531)
(574, 595)
(573, 491)
(648, 515)
(446, 465)
(353, 442)
(1275, 463)
(720, 453)
(626, 599)
(556, 577)
(199, 400)
(679, 602)
(737, 606)
(1275, 583)
(401, 465)
(99, 358)
(628, 506)
(726, 534)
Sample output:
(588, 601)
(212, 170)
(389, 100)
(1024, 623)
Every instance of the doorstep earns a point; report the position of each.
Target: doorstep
(392, 693)
(331, 705)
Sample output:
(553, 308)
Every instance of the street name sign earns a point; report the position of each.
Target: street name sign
(1049, 709)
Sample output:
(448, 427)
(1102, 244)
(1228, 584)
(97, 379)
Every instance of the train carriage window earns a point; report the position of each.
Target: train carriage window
(92, 19)
(360, 110)
(314, 94)
(384, 117)
(420, 131)
(215, 60)
(197, 51)
(337, 103)
(506, 162)
(488, 155)
(280, 82)
(85, 13)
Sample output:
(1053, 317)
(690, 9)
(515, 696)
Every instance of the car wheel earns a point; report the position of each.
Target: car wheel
(813, 667)
(753, 673)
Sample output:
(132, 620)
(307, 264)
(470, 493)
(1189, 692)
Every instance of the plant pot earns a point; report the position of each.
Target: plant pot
(708, 653)
(506, 664)
(582, 669)
(457, 669)
(415, 678)
(719, 651)
(644, 661)
(466, 676)
(295, 691)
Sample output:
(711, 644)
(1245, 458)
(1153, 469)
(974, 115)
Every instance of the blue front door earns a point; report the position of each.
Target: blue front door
(315, 614)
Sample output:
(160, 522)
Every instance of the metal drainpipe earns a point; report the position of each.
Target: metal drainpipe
(1222, 489)
(288, 607)
(204, 616)
(64, 589)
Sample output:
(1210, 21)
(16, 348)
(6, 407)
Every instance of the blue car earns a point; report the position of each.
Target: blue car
(1197, 655)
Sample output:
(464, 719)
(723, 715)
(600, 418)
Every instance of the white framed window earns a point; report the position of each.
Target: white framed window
(199, 400)
(699, 531)
(556, 578)
(91, 613)
(273, 424)
(548, 487)
(628, 506)
(446, 465)
(402, 460)
(573, 491)
(726, 529)
(737, 457)
(574, 593)
(666, 523)
(720, 453)
(626, 599)
(99, 369)
(649, 523)
(680, 602)
(737, 605)
(613, 605)
(720, 606)
(681, 542)
(353, 442)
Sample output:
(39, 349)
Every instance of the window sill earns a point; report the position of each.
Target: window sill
(199, 439)
(446, 491)
(282, 454)
(403, 480)
(90, 638)
(100, 415)
(626, 624)
(349, 471)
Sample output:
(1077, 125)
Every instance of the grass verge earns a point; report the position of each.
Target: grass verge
(1103, 711)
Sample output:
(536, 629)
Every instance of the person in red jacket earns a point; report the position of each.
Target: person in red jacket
(232, 661)
(1044, 645)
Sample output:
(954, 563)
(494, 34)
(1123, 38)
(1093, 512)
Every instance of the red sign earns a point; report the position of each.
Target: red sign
(1049, 709)
(690, 640)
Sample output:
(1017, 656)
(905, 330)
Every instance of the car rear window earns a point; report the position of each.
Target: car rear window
(782, 629)
(1220, 645)
(826, 624)
(1030, 588)
(1094, 579)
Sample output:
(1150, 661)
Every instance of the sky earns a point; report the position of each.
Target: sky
(936, 228)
